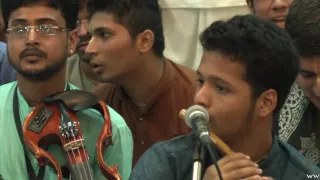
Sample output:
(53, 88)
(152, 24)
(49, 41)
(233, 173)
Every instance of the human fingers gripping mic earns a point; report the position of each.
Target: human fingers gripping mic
(223, 147)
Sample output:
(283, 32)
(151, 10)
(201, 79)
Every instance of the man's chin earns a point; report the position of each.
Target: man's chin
(36, 76)
(40, 74)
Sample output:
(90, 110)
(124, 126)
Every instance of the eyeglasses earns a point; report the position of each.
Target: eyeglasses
(83, 21)
(43, 30)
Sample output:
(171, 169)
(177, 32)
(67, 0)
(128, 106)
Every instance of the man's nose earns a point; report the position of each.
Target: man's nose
(82, 26)
(316, 87)
(32, 37)
(281, 5)
(83, 30)
(203, 96)
(91, 49)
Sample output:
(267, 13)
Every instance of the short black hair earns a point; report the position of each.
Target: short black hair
(303, 25)
(265, 50)
(68, 8)
(137, 16)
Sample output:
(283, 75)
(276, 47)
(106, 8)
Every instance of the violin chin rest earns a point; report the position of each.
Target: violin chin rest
(76, 100)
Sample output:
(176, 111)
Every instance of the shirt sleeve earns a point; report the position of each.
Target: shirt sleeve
(154, 164)
(121, 151)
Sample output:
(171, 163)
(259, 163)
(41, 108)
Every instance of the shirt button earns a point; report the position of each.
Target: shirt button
(142, 142)
(141, 119)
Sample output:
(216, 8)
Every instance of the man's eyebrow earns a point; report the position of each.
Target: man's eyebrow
(218, 79)
(46, 20)
(38, 21)
(306, 71)
(18, 21)
(215, 79)
(101, 29)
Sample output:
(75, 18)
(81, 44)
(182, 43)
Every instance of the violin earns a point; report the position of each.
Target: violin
(222, 146)
(54, 121)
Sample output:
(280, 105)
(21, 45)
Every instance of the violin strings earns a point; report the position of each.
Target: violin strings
(74, 156)
(80, 155)
(87, 157)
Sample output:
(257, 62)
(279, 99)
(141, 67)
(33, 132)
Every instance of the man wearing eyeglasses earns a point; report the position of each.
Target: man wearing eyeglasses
(79, 71)
(38, 42)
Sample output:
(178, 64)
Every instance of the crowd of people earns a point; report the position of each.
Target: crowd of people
(258, 81)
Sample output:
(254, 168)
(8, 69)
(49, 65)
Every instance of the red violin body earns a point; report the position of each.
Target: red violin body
(55, 122)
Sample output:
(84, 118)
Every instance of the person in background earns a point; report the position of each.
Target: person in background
(273, 10)
(299, 123)
(2, 29)
(7, 73)
(145, 87)
(298, 119)
(79, 71)
(242, 82)
(39, 40)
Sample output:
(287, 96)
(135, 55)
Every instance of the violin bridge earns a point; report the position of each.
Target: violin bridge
(77, 144)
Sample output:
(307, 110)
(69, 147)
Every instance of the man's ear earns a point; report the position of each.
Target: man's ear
(145, 41)
(73, 42)
(266, 103)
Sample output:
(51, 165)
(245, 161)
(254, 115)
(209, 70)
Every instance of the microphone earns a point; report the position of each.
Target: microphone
(223, 147)
(197, 118)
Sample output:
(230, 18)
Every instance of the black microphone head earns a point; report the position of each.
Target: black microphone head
(196, 111)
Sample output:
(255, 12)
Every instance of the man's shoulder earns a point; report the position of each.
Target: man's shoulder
(73, 59)
(184, 83)
(6, 95)
(169, 159)
(184, 143)
(7, 88)
(116, 119)
(184, 73)
(292, 112)
(104, 90)
(297, 162)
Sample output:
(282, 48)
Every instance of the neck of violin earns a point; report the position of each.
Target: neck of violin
(78, 158)
(81, 171)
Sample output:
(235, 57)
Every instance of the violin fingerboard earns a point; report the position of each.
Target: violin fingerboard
(82, 171)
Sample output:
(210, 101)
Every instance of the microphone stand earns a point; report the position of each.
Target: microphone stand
(198, 161)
